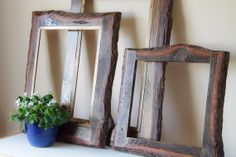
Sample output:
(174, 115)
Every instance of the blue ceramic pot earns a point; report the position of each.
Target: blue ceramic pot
(39, 137)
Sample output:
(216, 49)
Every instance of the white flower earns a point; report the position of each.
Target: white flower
(26, 114)
(39, 102)
(30, 104)
(18, 102)
(51, 102)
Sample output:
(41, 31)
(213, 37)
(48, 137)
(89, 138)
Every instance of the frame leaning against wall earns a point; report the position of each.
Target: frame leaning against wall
(160, 25)
(159, 35)
(107, 24)
(212, 136)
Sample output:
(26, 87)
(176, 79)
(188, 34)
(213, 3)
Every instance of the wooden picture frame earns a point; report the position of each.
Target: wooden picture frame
(98, 131)
(212, 137)
(153, 86)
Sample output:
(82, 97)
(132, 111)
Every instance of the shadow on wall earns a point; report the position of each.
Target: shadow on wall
(55, 57)
(233, 58)
(85, 78)
(3, 127)
(129, 28)
(179, 25)
(90, 40)
(178, 109)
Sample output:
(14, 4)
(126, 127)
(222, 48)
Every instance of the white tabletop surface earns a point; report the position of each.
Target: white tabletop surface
(18, 146)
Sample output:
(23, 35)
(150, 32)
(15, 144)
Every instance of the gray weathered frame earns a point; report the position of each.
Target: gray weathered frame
(108, 26)
(212, 137)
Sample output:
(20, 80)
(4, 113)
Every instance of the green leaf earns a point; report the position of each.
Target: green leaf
(40, 109)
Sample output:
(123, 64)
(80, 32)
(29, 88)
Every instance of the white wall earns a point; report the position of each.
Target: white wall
(209, 23)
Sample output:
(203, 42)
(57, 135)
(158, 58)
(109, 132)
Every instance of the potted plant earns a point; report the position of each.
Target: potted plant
(41, 115)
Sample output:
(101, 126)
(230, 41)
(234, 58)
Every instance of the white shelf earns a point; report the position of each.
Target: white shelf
(18, 146)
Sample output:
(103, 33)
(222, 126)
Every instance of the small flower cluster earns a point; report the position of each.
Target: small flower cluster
(43, 110)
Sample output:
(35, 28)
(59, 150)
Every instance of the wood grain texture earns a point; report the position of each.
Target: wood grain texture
(126, 96)
(32, 59)
(77, 6)
(154, 74)
(176, 53)
(155, 147)
(212, 137)
(108, 26)
(72, 60)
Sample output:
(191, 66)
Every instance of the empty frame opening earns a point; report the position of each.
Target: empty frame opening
(137, 95)
(51, 58)
(85, 80)
(186, 88)
(52, 49)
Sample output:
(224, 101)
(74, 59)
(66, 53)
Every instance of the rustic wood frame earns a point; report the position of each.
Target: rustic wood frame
(160, 25)
(212, 138)
(108, 26)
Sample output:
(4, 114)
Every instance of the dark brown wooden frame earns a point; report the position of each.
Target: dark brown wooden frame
(212, 138)
(107, 24)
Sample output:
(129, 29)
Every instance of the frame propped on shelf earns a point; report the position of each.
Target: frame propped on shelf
(107, 24)
(212, 137)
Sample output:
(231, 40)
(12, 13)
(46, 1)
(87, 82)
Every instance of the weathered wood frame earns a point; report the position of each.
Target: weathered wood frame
(154, 73)
(107, 25)
(160, 25)
(212, 138)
